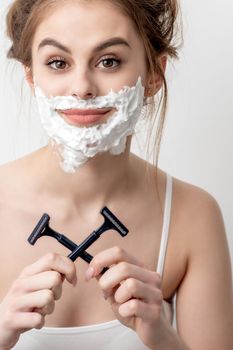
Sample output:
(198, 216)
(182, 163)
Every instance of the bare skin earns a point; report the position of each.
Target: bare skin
(40, 281)
(183, 254)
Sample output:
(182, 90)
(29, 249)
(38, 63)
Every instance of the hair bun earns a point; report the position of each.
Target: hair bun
(16, 20)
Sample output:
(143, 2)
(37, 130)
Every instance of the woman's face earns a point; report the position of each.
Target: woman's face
(86, 48)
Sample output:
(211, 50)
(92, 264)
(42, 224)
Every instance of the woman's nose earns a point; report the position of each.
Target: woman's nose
(83, 86)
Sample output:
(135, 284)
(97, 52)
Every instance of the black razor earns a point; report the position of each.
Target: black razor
(110, 223)
(43, 229)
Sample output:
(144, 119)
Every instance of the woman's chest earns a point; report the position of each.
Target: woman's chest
(85, 303)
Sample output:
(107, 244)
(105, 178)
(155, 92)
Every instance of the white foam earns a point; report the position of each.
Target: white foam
(78, 144)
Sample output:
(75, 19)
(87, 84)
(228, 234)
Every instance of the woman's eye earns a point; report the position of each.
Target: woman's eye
(110, 63)
(57, 64)
(61, 64)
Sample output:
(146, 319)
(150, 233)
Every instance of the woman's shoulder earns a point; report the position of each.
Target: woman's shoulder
(196, 217)
(194, 201)
(13, 168)
(15, 174)
(188, 200)
(195, 213)
(186, 196)
(20, 164)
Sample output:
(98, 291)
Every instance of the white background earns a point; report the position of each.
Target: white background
(197, 145)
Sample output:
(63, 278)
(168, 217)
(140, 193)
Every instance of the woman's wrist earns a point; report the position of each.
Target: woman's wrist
(171, 342)
(168, 339)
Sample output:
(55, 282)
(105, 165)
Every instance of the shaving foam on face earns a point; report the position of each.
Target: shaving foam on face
(76, 145)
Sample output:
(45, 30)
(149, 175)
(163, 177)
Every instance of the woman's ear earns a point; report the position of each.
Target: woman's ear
(29, 77)
(155, 83)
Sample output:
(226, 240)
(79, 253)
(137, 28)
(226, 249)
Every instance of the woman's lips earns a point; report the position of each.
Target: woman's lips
(85, 117)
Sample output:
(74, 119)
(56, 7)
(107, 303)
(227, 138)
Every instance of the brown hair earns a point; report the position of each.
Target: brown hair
(154, 20)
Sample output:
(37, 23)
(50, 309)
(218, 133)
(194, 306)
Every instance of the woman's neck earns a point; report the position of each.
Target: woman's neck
(97, 181)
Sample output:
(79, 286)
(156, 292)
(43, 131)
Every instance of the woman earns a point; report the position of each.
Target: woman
(94, 67)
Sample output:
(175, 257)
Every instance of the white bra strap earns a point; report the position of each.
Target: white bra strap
(166, 226)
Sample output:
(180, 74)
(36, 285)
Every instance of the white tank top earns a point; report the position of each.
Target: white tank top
(110, 335)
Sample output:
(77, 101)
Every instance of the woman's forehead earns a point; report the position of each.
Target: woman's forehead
(85, 22)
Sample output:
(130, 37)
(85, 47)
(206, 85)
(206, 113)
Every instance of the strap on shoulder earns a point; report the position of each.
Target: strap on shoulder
(166, 226)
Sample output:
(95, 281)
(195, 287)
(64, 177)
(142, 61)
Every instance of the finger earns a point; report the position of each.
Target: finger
(110, 257)
(132, 288)
(45, 280)
(122, 271)
(137, 308)
(27, 320)
(46, 310)
(53, 261)
(36, 300)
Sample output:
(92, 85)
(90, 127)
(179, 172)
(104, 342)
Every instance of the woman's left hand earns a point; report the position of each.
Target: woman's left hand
(133, 291)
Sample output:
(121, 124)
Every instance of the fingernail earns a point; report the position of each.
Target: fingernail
(89, 273)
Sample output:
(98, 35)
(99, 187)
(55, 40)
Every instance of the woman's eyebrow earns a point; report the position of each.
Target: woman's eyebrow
(53, 42)
(110, 42)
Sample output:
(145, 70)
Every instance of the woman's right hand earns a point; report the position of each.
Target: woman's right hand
(32, 296)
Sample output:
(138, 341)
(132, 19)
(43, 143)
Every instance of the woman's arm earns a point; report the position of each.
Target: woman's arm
(204, 301)
(204, 298)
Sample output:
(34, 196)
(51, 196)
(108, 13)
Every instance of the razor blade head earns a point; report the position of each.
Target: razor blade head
(39, 230)
(114, 222)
